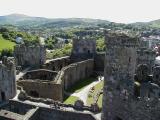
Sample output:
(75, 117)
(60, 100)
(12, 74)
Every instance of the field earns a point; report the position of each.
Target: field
(5, 44)
(80, 85)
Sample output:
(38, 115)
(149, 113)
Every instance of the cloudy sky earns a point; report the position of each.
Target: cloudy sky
(124, 11)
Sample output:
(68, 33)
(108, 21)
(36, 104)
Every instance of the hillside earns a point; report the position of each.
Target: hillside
(20, 20)
(154, 24)
(5, 44)
(28, 21)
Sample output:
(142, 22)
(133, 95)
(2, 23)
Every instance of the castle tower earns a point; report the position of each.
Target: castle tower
(146, 56)
(120, 63)
(83, 48)
(33, 56)
(7, 79)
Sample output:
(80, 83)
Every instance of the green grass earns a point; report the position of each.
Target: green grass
(90, 99)
(6, 44)
(80, 85)
(71, 100)
(100, 100)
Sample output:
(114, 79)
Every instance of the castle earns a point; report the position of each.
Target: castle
(131, 81)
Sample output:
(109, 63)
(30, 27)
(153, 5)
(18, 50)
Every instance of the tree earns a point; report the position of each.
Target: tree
(6, 52)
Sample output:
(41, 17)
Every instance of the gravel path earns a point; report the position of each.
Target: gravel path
(83, 94)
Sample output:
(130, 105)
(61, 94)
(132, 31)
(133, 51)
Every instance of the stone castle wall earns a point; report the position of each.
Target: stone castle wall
(40, 74)
(42, 84)
(33, 56)
(44, 89)
(47, 114)
(76, 72)
(99, 62)
(7, 79)
(22, 111)
(57, 64)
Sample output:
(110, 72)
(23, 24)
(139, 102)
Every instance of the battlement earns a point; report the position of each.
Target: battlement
(117, 38)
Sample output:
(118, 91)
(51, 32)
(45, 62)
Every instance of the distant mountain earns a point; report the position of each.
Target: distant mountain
(27, 22)
(24, 20)
(154, 24)
(20, 19)
(151, 24)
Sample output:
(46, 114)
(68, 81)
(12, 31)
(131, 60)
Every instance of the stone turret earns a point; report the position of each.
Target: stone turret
(146, 56)
(7, 79)
(33, 56)
(120, 62)
(83, 48)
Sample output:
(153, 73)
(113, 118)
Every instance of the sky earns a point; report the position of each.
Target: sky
(121, 11)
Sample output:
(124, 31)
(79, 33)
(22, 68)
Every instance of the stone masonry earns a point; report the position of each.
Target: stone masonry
(7, 79)
(120, 62)
(33, 56)
(130, 93)
(83, 48)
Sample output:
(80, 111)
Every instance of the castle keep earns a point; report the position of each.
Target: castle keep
(7, 79)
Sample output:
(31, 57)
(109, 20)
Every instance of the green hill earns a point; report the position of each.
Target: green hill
(5, 44)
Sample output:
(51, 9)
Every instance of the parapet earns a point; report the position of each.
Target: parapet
(117, 38)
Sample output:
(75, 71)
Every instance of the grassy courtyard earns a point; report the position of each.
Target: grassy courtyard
(5, 44)
(80, 85)
(91, 95)
(71, 100)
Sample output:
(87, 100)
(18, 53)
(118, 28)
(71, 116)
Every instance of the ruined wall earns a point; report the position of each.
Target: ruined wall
(16, 110)
(48, 114)
(7, 79)
(40, 74)
(99, 62)
(76, 71)
(83, 49)
(42, 89)
(33, 56)
(120, 62)
(57, 64)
